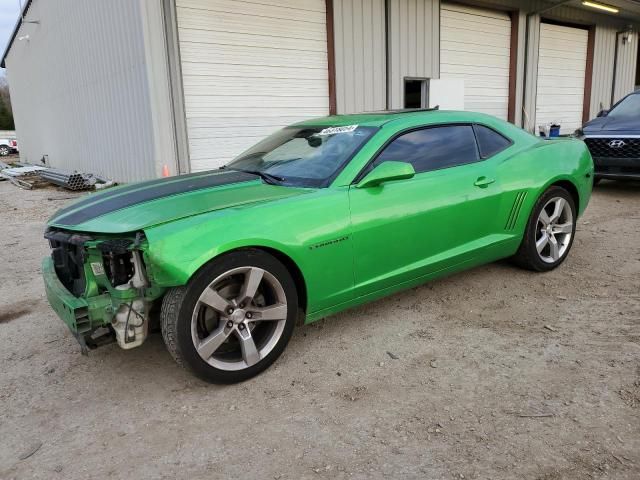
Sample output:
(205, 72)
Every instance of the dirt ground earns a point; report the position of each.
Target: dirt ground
(495, 373)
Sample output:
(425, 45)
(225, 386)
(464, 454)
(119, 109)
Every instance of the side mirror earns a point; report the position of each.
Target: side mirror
(603, 113)
(386, 172)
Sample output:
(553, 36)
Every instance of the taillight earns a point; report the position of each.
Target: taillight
(13, 143)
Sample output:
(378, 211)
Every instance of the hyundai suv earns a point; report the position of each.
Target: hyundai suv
(613, 139)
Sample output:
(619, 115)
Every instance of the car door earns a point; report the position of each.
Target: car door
(439, 218)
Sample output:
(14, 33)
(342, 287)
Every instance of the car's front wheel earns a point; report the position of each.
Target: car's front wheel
(233, 319)
(550, 231)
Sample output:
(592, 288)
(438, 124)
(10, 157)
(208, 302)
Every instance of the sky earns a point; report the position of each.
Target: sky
(9, 12)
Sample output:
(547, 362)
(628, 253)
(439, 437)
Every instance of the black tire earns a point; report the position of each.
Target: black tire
(527, 255)
(4, 150)
(179, 303)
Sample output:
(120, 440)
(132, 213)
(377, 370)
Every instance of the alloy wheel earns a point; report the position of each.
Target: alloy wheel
(554, 230)
(239, 318)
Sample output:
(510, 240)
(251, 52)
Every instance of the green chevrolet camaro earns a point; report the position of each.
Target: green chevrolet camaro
(320, 216)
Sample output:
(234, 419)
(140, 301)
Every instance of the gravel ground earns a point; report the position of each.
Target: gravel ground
(495, 373)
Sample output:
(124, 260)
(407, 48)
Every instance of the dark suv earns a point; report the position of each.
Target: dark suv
(613, 139)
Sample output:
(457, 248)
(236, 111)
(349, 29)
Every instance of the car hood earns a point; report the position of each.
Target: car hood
(138, 206)
(612, 125)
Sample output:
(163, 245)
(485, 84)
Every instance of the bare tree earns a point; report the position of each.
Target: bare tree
(6, 112)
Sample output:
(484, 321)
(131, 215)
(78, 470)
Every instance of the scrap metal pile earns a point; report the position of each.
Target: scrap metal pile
(28, 176)
(22, 176)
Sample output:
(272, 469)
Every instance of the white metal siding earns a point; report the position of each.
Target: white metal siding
(626, 71)
(79, 86)
(249, 68)
(561, 72)
(603, 69)
(604, 48)
(414, 29)
(475, 47)
(359, 34)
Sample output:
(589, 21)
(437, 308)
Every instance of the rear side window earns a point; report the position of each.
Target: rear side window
(490, 142)
(433, 148)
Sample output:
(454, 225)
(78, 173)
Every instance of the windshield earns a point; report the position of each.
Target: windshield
(629, 107)
(303, 156)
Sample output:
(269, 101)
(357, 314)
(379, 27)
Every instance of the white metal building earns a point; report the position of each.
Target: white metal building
(123, 88)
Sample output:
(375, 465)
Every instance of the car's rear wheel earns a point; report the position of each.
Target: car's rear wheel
(233, 319)
(550, 231)
(4, 150)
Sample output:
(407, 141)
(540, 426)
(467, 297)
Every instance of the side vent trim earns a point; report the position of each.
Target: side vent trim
(515, 211)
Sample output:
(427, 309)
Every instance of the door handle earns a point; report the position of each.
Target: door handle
(483, 182)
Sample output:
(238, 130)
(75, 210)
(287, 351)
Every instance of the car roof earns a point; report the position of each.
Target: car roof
(378, 119)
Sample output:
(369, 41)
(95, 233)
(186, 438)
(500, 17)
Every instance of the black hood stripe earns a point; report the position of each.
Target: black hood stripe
(136, 195)
(99, 197)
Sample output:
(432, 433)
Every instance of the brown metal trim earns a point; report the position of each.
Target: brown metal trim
(331, 59)
(513, 65)
(588, 75)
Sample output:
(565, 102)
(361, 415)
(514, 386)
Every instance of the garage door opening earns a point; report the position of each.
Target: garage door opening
(475, 48)
(562, 66)
(249, 69)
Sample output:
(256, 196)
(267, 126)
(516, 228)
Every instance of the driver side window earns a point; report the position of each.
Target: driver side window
(433, 148)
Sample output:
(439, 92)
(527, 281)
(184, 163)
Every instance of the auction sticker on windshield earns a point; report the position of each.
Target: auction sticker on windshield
(334, 130)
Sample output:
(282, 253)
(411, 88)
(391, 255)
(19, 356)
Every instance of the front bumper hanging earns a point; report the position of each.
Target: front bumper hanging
(82, 315)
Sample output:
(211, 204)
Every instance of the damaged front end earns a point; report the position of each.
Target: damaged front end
(100, 287)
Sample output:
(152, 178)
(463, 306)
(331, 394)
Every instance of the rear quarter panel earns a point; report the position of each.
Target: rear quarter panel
(545, 163)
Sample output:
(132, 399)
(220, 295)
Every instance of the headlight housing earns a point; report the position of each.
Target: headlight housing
(118, 260)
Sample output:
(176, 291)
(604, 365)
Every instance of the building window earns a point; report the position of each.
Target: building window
(416, 92)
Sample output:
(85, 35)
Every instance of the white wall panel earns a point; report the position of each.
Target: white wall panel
(414, 47)
(626, 70)
(360, 55)
(602, 79)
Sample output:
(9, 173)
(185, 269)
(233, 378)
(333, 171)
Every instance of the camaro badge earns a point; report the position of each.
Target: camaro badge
(617, 143)
(329, 242)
